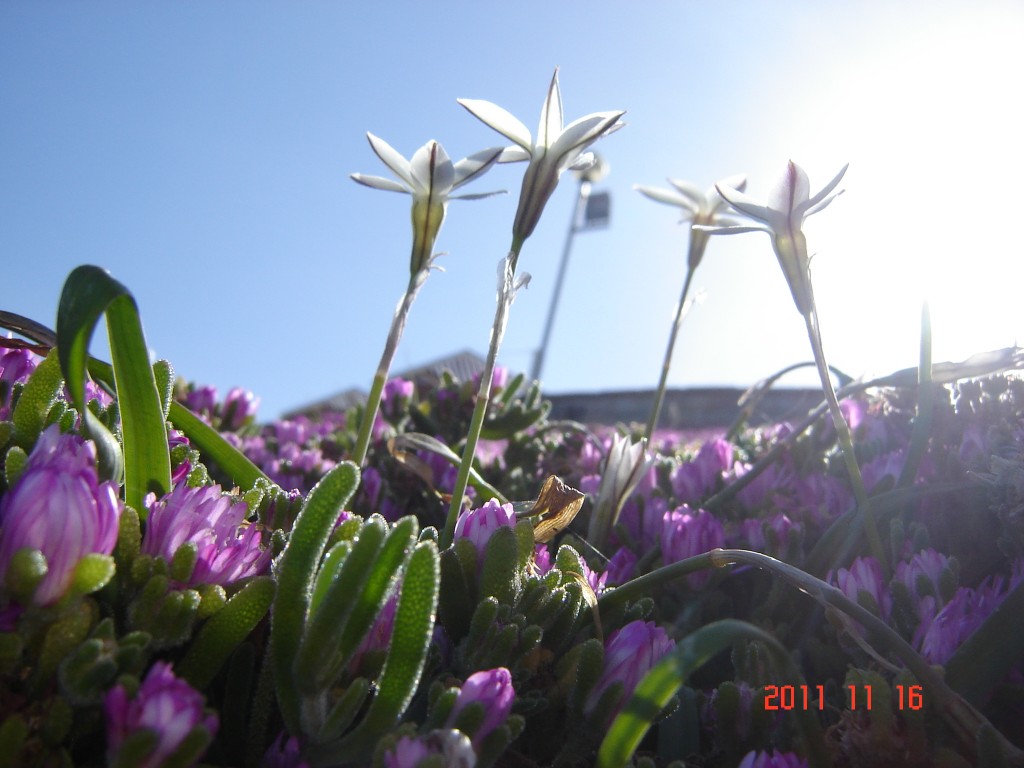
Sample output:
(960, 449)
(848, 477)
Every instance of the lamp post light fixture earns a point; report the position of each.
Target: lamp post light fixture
(592, 211)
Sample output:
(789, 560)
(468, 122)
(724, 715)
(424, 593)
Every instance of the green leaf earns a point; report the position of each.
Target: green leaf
(659, 685)
(35, 401)
(163, 374)
(92, 572)
(456, 606)
(351, 603)
(410, 639)
(14, 464)
(295, 578)
(88, 293)
(209, 441)
(500, 576)
(225, 631)
(329, 569)
(988, 654)
(344, 710)
(13, 735)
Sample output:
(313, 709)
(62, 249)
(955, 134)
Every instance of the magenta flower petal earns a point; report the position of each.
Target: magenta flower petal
(478, 525)
(165, 705)
(58, 507)
(629, 654)
(493, 690)
(228, 548)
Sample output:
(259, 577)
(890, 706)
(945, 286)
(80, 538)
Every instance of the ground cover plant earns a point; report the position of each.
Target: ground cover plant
(447, 576)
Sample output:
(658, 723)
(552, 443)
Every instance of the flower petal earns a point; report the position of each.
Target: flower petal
(824, 203)
(469, 168)
(514, 155)
(378, 182)
(791, 191)
(583, 162)
(478, 195)
(398, 164)
(731, 230)
(717, 202)
(667, 196)
(581, 133)
(816, 201)
(501, 120)
(550, 115)
(752, 208)
(432, 170)
(698, 200)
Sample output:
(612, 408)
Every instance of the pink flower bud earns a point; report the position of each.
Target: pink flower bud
(165, 705)
(478, 525)
(686, 533)
(629, 654)
(59, 507)
(493, 690)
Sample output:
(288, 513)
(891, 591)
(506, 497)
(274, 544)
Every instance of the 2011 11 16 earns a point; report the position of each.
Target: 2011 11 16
(804, 697)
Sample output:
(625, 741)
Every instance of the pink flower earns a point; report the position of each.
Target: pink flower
(165, 706)
(923, 573)
(491, 689)
(629, 654)
(768, 760)
(478, 525)
(454, 747)
(693, 480)
(686, 533)
(864, 580)
(285, 752)
(228, 549)
(16, 365)
(240, 407)
(59, 507)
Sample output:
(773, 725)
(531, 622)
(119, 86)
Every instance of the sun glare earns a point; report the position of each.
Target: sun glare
(932, 127)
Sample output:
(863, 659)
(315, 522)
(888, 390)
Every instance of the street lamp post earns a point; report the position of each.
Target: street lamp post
(590, 212)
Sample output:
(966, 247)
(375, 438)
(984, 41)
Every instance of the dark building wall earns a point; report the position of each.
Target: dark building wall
(683, 408)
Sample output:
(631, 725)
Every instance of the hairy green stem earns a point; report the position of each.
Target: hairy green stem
(845, 439)
(659, 397)
(643, 586)
(381, 377)
(506, 290)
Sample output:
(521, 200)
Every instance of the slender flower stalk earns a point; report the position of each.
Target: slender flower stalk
(698, 208)
(782, 218)
(556, 148)
(508, 286)
(430, 177)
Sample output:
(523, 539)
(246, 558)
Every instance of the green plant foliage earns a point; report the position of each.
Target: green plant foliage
(296, 577)
(89, 292)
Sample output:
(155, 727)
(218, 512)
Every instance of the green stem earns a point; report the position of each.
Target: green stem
(845, 439)
(922, 431)
(379, 379)
(483, 396)
(643, 586)
(663, 382)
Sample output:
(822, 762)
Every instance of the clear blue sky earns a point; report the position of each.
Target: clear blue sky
(201, 152)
